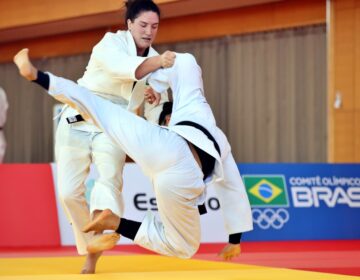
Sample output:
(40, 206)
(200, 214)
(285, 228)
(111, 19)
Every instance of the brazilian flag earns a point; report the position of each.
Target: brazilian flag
(266, 190)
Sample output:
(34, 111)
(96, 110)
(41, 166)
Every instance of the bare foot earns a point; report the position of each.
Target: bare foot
(103, 242)
(105, 220)
(90, 263)
(26, 69)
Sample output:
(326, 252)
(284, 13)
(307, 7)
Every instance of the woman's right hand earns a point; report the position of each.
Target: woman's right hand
(167, 59)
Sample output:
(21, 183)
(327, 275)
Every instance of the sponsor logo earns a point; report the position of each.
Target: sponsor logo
(143, 203)
(307, 197)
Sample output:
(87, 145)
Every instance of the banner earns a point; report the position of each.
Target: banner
(139, 198)
(27, 205)
(303, 201)
(289, 202)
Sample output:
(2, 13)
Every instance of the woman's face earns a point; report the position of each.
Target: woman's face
(144, 29)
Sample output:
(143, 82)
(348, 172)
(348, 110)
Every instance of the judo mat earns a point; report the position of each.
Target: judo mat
(331, 259)
(148, 267)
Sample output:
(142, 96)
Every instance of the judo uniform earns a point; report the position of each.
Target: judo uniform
(3, 112)
(164, 155)
(110, 74)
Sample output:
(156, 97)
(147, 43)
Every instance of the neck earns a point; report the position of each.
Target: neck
(142, 52)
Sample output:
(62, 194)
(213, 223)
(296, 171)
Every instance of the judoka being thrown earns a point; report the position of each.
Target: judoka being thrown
(179, 159)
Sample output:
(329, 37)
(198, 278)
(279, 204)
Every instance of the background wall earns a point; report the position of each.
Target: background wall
(267, 90)
(344, 80)
(29, 128)
(62, 33)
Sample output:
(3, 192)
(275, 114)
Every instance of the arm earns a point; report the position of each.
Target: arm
(152, 64)
(112, 56)
(235, 206)
(233, 199)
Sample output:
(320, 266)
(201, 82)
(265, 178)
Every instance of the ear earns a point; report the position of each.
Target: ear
(129, 24)
(167, 119)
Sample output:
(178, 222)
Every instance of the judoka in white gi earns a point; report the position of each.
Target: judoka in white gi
(111, 75)
(167, 156)
(4, 105)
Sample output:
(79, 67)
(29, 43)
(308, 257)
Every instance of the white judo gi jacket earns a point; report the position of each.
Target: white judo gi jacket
(109, 74)
(189, 104)
(111, 69)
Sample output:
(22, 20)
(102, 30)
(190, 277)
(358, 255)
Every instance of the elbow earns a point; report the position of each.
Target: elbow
(139, 74)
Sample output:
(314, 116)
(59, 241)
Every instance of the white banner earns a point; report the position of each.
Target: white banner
(139, 198)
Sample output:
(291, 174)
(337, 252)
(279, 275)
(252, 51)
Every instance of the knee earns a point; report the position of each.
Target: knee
(163, 188)
(69, 194)
(66, 198)
(114, 182)
(110, 175)
(184, 246)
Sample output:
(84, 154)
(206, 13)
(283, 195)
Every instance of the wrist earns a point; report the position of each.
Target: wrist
(160, 62)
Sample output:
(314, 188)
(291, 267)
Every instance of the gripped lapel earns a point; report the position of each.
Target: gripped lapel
(199, 139)
(137, 94)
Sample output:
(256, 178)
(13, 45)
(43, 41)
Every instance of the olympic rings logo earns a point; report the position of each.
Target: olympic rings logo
(270, 218)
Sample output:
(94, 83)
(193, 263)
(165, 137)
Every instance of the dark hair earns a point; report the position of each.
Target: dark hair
(167, 110)
(135, 7)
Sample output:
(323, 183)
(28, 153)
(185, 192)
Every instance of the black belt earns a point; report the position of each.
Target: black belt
(203, 130)
(207, 161)
(202, 209)
(75, 119)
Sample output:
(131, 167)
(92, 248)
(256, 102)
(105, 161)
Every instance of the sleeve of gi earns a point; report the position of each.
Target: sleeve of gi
(112, 54)
(233, 198)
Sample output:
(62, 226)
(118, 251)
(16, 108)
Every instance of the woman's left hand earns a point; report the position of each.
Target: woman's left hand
(151, 96)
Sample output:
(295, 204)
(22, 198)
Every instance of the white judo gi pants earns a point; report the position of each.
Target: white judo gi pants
(75, 150)
(163, 155)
